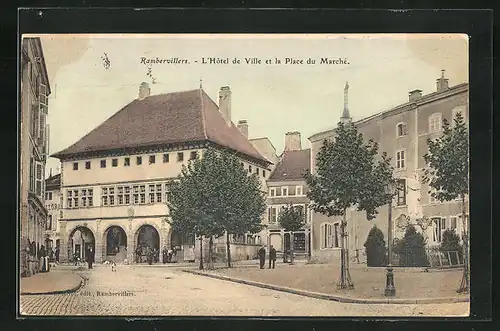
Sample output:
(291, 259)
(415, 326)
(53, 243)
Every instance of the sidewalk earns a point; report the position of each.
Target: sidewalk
(320, 281)
(52, 282)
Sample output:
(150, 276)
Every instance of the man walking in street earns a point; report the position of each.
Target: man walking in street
(272, 257)
(90, 256)
(262, 257)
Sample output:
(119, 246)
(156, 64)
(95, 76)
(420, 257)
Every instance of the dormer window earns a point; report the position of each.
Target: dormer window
(401, 130)
(435, 122)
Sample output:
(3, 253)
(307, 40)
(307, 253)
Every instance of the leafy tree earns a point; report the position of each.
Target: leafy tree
(448, 174)
(375, 248)
(451, 243)
(348, 175)
(238, 200)
(215, 195)
(291, 219)
(411, 249)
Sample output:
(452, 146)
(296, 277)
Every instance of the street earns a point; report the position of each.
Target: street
(161, 291)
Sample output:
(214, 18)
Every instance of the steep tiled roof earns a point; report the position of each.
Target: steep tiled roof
(292, 166)
(53, 182)
(164, 119)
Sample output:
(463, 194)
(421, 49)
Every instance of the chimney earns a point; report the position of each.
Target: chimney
(144, 91)
(414, 95)
(293, 141)
(225, 103)
(346, 118)
(442, 83)
(243, 127)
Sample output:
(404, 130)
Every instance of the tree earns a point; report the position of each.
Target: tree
(411, 249)
(451, 243)
(238, 200)
(190, 204)
(447, 173)
(215, 195)
(348, 175)
(291, 219)
(375, 248)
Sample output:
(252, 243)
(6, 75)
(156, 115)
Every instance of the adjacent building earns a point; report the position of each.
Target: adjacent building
(402, 133)
(114, 181)
(53, 202)
(287, 186)
(34, 92)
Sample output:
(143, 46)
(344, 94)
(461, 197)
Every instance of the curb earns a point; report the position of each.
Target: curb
(330, 297)
(71, 290)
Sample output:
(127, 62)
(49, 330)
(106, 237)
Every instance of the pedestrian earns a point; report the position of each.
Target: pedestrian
(169, 255)
(272, 257)
(262, 257)
(90, 256)
(57, 254)
(164, 254)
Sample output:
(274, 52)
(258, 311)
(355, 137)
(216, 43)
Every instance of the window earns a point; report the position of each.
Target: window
(167, 192)
(138, 160)
(272, 215)
(75, 165)
(119, 195)
(127, 195)
(329, 235)
(72, 198)
(87, 165)
(272, 191)
(453, 223)
(401, 130)
(435, 122)
(48, 196)
(458, 110)
(291, 190)
(126, 162)
(263, 173)
(284, 191)
(39, 179)
(400, 159)
(278, 191)
(401, 192)
(438, 225)
(250, 169)
(299, 191)
(49, 223)
(87, 197)
(103, 163)
(194, 155)
(136, 194)
(180, 157)
(165, 158)
(107, 196)
(114, 162)
(159, 193)
(152, 159)
(143, 194)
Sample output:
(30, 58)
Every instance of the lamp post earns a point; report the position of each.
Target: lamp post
(390, 289)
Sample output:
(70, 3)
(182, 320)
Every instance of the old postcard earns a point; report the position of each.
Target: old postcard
(244, 175)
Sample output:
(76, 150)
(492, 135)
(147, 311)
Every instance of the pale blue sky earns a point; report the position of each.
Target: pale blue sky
(274, 99)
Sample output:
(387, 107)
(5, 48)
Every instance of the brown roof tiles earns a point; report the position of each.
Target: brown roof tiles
(163, 119)
(292, 166)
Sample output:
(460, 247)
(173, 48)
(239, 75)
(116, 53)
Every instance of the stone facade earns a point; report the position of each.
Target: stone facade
(34, 93)
(402, 133)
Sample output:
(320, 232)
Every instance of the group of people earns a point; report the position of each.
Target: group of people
(168, 254)
(262, 257)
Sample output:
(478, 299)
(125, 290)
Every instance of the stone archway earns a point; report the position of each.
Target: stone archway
(146, 236)
(79, 240)
(114, 244)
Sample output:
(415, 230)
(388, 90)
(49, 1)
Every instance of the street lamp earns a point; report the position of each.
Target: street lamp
(390, 289)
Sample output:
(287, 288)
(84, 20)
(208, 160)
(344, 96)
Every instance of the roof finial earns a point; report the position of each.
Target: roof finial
(201, 83)
(442, 73)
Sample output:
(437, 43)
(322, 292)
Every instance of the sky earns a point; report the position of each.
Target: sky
(274, 98)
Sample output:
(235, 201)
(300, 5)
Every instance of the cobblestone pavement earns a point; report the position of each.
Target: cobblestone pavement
(143, 291)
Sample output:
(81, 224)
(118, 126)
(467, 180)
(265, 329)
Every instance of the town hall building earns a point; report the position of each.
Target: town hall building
(114, 180)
